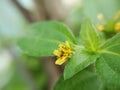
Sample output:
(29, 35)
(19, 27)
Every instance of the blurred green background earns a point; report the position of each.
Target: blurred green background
(22, 72)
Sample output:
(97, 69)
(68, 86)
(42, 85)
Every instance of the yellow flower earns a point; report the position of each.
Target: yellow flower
(63, 53)
(101, 19)
(117, 27)
(109, 26)
(100, 27)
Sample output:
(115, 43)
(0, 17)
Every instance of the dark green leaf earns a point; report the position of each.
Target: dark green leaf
(43, 38)
(108, 68)
(111, 52)
(84, 80)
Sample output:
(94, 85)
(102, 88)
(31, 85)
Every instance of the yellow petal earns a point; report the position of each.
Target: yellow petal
(62, 53)
(60, 61)
(67, 44)
(57, 53)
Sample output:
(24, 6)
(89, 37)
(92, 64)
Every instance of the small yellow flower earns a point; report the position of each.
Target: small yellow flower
(112, 25)
(100, 27)
(101, 19)
(117, 27)
(63, 53)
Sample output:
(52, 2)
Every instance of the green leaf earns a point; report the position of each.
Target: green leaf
(112, 45)
(79, 61)
(113, 61)
(43, 38)
(89, 36)
(108, 67)
(84, 80)
(111, 52)
(108, 72)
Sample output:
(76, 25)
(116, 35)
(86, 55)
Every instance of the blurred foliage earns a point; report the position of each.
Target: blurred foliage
(12, 22)
(12, 26)
(17, 82)
(36, 68)
(91, 9)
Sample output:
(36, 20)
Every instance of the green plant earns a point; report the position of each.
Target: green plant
(93, 63)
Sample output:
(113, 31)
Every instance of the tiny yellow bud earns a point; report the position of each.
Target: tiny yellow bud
(117, 27)
(100, 27)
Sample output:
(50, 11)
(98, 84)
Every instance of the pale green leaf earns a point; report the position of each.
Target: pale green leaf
(43, 38)
(90, 37)
(112, 45)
